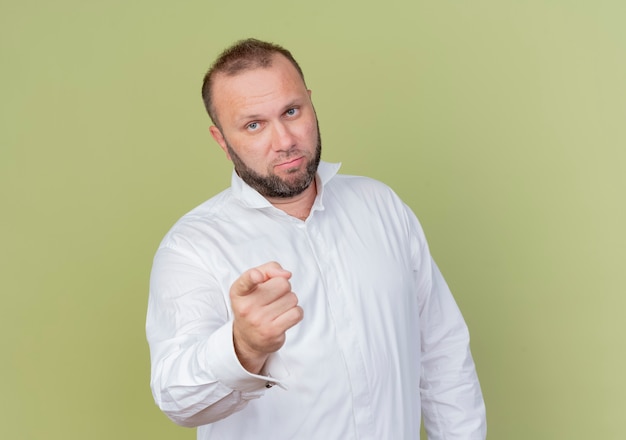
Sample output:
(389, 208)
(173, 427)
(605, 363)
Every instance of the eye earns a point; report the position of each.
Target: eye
(292, 112)
(253, 126)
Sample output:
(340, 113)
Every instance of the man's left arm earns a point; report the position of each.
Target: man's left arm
(452, 401)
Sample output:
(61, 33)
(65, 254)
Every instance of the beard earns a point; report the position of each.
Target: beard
(273, 186)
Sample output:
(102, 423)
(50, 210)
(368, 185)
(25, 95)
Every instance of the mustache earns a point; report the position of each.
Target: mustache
(289, 154)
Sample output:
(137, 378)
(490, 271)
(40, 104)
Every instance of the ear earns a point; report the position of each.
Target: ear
(309, 91)
(219, 138)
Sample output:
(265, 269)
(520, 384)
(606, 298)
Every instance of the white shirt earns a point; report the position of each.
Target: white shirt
(382, 339)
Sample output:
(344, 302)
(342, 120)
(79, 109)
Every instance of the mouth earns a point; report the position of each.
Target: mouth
(291, 163)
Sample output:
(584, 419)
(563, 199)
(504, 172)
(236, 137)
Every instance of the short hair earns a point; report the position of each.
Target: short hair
(243, 55)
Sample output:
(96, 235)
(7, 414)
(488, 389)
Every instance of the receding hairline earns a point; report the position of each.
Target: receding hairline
(243, 67)
(243, 56)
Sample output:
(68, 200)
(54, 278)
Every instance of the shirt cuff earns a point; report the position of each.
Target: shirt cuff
(223, 362)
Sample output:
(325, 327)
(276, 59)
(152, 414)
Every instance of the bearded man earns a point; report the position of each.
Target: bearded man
(301, 303)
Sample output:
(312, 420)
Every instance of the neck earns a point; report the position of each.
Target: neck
(298, 206)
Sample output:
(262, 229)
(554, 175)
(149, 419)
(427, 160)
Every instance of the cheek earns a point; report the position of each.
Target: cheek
(254, 152)
(309, 131)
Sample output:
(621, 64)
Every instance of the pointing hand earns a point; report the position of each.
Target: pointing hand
(264, 308)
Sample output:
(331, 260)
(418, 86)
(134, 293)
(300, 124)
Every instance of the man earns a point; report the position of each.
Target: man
(301, 303)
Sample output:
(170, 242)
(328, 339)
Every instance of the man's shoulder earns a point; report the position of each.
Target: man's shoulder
(366, 193)
(200, 218)
(209, 209)
(360, 184)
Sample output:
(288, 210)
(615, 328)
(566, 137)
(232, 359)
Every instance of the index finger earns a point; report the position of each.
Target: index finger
(250, 279)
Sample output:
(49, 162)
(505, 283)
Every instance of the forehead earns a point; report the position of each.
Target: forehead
(257, 88)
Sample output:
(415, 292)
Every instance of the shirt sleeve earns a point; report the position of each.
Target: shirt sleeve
(196, 377)
(452, 401)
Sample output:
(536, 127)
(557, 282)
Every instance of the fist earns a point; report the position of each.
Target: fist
(264, 308)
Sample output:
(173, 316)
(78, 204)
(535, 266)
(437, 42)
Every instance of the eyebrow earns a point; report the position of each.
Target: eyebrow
(250, 117)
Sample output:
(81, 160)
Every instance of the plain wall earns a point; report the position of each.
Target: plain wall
(500, 123)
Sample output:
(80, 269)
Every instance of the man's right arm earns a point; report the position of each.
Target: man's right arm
(197, 376)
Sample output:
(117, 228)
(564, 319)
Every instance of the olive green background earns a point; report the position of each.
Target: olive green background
(502, 124)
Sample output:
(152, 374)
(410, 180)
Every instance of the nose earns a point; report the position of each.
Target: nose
(283, 139)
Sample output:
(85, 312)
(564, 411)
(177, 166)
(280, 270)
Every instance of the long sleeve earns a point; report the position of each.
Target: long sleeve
(452, 401)
(196, 377)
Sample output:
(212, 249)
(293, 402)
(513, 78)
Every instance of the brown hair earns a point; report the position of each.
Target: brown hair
(243, 55)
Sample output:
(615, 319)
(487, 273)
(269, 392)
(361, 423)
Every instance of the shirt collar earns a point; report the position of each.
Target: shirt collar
(250, 197)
